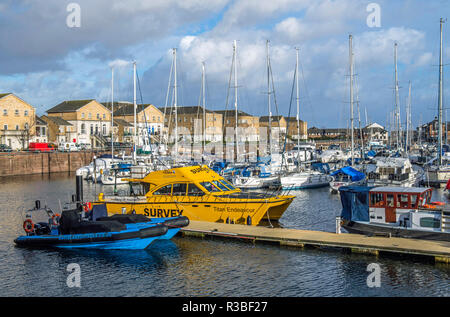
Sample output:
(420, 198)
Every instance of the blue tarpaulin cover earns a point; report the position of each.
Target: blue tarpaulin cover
(350, 171)
(355, 203)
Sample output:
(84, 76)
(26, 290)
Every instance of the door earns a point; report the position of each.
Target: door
(390, 215)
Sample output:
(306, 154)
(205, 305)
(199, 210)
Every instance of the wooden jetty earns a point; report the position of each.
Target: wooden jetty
(438, 250)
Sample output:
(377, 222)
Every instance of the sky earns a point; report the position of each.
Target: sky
(46, 60)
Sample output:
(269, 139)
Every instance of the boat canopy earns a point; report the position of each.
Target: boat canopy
(350, 171)
(355, 202)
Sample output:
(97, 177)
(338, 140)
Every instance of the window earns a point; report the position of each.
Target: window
(17, 127)
(25, 113)
(83, 128)
(210, 187)
(154, 118)
(104, 116)
(221, 186)
(5, 112)
(228, 184)
(82, 115)
(179, 189)
(26, 125)
(390, 200)
(165, 190)
(90, 115)
(414, 201)
(104, 129)
(16, 112)
(376, 200)
(402, 201)
(430, 222)
(98, 116)
(193, 190)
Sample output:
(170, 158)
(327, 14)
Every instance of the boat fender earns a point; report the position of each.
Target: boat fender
(249, 220)
(28, 226)
(55, 219)
(177, 222)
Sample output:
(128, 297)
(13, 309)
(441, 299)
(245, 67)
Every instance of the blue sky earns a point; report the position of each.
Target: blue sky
(44, 61)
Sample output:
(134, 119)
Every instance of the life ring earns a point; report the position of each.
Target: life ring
(55, 219)
(28, 226)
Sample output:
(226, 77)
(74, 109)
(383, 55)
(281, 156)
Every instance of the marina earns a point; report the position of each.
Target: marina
(233, 149)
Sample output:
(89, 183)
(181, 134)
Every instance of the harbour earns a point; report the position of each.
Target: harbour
(241, 268)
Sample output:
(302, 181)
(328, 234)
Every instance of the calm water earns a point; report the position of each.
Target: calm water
(195, 267)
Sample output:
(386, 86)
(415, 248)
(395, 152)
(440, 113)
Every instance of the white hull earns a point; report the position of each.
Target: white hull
(305, 180)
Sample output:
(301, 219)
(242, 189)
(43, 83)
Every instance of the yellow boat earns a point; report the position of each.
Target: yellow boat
(198, 193)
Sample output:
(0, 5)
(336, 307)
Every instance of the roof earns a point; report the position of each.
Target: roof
(397, 189)
(128, 109)
(185, 110)
(273, 118)
(40, 121)
(232, 113)
(5, 94)
(69, 106)
(123, 123)
(57, 120)
(292, 119)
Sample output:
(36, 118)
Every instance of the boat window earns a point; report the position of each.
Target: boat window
(210, 187)
(193, 190)
(227, 184)
(390, 200)
(402, 201)
(139, 189)
(430, 222)
(179, 189)
(413, 201)
(221, 186)
(376, 200)
(165, 190)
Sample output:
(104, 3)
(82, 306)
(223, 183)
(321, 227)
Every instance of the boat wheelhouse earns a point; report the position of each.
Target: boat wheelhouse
(395, 171)
(397, 211)
(198, 193)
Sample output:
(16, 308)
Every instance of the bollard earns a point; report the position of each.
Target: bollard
(338, 225)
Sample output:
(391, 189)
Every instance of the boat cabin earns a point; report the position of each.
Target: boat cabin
(392, 169)
(401, 207)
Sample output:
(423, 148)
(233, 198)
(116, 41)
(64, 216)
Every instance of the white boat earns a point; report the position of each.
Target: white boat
(305, 180)
(394, 171)
(347, 176)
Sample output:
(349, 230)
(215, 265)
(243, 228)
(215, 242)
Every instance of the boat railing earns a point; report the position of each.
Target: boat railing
(445, 221)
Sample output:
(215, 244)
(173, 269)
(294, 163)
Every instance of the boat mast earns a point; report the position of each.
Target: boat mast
(204, 106)
(440, 96)
(408, 120)
(235, 99)
(175, 102)
(351, 94)
(112, 113)
(397, 103)
(298, 109)
(135, 106)
(268, 98)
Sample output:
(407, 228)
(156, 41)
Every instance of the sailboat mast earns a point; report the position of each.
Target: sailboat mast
(268, 98)
(408, 120)
(135, 106)
(351, 94)
(298, 106)
(235, 98)
(175, 102)
(112, 113)
(204, 106)
(440, 96)
(397, 106)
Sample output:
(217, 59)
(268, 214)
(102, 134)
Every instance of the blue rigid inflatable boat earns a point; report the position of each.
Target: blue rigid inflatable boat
(117, 232)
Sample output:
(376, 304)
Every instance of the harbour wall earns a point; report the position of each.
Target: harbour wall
(25, 163)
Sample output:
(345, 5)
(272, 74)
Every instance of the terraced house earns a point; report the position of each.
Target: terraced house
(90, 120)
(191, 118)
(149, 121)
(17, 121)
(247, 122)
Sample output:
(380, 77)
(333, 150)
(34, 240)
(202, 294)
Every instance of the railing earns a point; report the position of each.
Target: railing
(445, 221)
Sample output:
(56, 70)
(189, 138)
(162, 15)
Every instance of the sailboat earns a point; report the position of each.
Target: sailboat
(302, 179)
(348, 176)
(259, 175)
(438, 171)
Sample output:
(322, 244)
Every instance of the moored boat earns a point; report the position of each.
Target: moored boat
(394, 211)
(198, 193)
(72, 230)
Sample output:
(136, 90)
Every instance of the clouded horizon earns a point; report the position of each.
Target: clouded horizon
(45, 62)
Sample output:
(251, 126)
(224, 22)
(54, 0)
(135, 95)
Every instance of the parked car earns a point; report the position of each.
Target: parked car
(40, 147)
(68, 147)
(5, 148)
